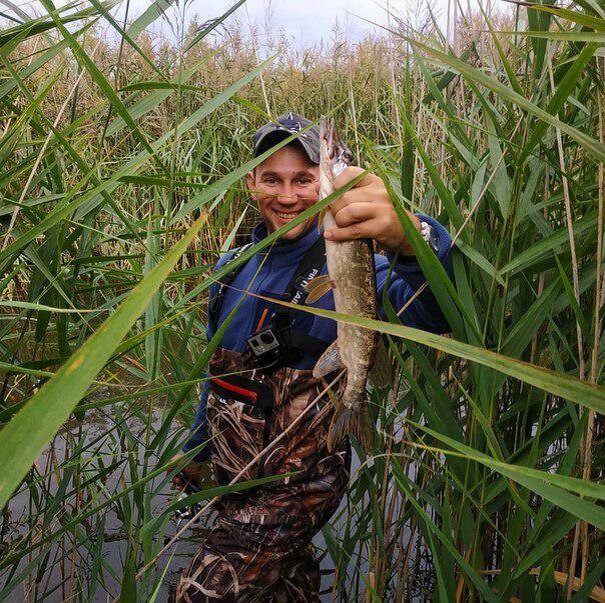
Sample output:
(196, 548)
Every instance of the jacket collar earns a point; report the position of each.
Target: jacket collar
(286, 251)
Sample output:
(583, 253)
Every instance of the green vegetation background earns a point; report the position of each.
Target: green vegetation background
(122, 159)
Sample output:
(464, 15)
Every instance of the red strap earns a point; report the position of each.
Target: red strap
(235, 389)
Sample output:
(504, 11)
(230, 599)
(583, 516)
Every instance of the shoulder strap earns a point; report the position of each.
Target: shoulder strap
(310, 266)
(217, 301)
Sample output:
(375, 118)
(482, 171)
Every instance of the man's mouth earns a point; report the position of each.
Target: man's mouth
(287, 215)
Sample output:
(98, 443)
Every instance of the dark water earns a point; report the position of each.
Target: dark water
(52, 585)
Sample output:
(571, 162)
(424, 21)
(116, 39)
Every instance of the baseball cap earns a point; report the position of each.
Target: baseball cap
(284, 126)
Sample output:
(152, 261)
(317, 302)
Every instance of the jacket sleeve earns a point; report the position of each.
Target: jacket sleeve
(199, 429)
(407, 277)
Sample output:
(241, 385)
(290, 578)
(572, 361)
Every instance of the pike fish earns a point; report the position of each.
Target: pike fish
(351, 277)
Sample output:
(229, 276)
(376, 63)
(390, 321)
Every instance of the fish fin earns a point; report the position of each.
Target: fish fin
(320, 219)
(328, 362)
(318, 281)
(318, 293)
(317, 287)
(380, 373)
(345, 421)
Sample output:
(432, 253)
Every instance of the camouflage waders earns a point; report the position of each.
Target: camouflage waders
(260, 548)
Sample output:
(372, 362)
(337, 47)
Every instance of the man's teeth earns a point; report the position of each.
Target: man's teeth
(286, 216)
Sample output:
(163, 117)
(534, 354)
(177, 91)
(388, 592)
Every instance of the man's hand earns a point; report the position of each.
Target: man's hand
(366, 212)
(198, 472)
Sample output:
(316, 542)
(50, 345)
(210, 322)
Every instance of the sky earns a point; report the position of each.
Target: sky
(306, 20)
(301, 21)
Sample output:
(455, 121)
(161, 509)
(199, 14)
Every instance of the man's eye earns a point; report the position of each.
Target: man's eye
(305, 181)
(269, 180)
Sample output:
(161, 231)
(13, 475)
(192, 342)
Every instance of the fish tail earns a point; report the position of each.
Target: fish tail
(349, 420)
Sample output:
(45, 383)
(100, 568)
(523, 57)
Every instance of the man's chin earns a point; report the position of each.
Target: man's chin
(296, 232)
(293, 234)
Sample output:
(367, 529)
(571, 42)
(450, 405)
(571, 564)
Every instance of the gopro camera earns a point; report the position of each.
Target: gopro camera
(264, 342)
(271, 346)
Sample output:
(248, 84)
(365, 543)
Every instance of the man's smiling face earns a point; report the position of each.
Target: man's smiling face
(283, 186)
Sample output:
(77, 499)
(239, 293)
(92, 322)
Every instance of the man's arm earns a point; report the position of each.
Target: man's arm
(406, 279)
(199, 428)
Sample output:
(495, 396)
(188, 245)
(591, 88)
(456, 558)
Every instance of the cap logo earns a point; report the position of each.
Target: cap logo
(293, 126)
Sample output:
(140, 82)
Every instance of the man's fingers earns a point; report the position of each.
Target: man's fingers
(358, 230)
(363, 193)
(178, 483)
(352, 172)
(355, 212)
(355, 196)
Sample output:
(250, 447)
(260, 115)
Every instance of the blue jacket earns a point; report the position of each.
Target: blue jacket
(279, 263)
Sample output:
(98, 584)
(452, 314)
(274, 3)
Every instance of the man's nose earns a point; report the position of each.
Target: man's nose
(287, 194)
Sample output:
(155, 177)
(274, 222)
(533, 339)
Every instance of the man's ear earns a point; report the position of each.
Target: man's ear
(251, 182)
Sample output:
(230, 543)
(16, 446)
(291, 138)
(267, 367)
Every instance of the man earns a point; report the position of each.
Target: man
(265, 413)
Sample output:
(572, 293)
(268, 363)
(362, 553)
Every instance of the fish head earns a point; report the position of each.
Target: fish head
(335, 156)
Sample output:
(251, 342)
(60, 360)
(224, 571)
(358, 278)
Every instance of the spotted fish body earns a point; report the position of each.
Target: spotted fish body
(353, 281)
